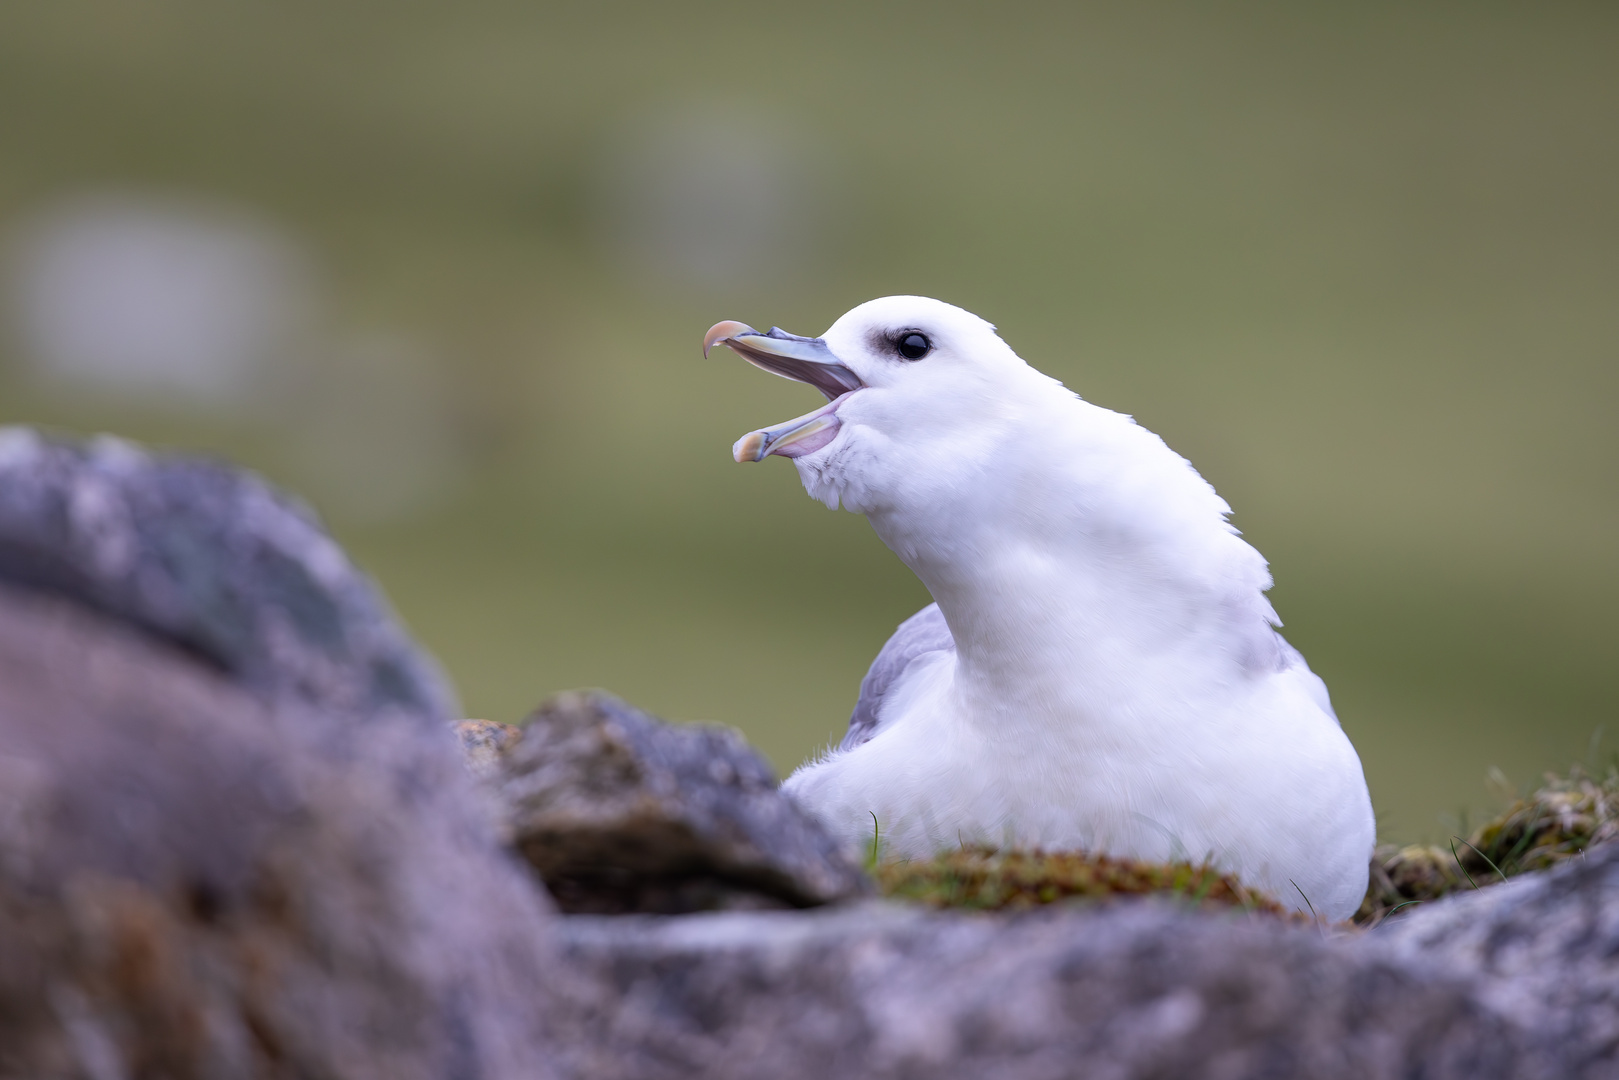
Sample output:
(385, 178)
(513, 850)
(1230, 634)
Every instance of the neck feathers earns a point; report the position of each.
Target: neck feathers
(1094, 558)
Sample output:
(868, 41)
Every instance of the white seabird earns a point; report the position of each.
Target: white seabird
(1100, 669)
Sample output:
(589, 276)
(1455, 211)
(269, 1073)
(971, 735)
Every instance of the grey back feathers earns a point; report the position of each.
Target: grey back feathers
(919, 637)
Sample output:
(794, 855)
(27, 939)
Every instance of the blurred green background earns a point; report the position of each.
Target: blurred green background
(444, 269)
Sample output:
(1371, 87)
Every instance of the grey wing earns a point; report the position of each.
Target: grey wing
(922, 635)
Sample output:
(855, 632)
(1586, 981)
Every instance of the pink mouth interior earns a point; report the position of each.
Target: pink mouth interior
(810, 444)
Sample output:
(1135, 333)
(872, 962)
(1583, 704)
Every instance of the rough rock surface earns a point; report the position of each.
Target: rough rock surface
(190, 889)
(1542, 949)
(618, 812)
(484, 744)
(1517, 981)
(235, 837)
(1132, 990)
(212, 560)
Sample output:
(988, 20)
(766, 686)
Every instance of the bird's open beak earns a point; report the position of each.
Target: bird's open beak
(806, 360)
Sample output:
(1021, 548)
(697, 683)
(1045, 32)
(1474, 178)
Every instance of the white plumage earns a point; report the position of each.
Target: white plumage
(1106, 674)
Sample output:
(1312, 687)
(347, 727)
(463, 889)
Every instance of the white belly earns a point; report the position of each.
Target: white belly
(1269, 789)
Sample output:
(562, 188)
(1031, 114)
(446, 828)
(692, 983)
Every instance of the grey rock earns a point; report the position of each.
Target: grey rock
(1541, 949)
(190, 887)
(211, 560)
(1133, 990)
(618, 811)
(235, 835)
(1521, 981)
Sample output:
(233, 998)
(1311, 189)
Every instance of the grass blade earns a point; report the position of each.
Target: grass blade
(1481, 855)
(1459, 865)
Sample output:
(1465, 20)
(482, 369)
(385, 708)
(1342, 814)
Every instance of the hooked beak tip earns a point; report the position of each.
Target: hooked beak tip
(720, 331)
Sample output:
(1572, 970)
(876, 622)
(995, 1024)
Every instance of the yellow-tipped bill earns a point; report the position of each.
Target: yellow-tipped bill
(804, 435)
(806, 360)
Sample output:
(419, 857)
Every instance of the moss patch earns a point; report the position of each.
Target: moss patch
(986, 879)
(1556, 822)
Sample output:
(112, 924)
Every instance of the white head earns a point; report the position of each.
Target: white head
(914, 385)
(993, 482)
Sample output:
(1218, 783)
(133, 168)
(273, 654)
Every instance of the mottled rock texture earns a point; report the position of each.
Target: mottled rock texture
(213, 561)
(620, 812)
(190, 888)
(236, 839)
(484, 744)
(1542, 949)
(1137, 990)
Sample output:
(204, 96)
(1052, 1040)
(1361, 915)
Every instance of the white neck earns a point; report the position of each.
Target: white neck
(1095, 572)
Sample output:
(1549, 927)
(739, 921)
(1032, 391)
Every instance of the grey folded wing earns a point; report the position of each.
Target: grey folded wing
(920, 637)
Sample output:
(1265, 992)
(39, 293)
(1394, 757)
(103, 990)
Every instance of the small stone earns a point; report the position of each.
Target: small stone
(621, 812)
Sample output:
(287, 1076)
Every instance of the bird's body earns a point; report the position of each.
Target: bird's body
(1102, 670)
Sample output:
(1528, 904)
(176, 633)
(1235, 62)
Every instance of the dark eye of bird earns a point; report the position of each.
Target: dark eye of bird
(915, 346)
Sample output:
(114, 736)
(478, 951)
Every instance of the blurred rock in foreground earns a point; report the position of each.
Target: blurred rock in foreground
(1130, 990)
(1542, 949)
(1521, 982)
(188, 890)
(621, 812)
(484, 744)
(235, 839)
(212, 561)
